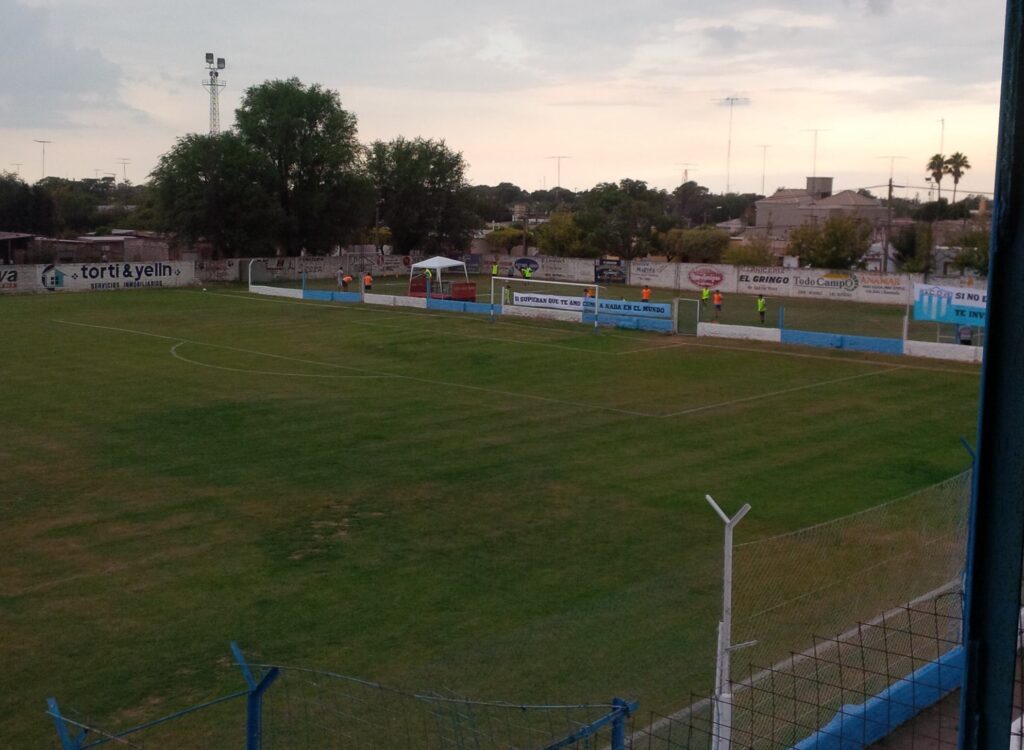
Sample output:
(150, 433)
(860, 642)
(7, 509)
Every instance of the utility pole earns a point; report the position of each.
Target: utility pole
(764, 160)
(814, 161)
(558, 168)
(732, 101)
(124, 167)
(942, 134)
(43, 175)
(17, 167)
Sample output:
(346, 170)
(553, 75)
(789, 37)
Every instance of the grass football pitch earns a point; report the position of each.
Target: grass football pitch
(512, 511)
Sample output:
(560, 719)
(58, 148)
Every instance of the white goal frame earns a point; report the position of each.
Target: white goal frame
(501, 280)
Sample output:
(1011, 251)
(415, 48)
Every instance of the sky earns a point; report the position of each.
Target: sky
(634, 90)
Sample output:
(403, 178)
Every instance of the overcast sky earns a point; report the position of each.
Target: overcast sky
(630, 89)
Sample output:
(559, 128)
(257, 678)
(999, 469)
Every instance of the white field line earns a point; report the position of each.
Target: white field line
(723, 404)
(609, 334)
(482, 389)
(410, 378)
(176, 355)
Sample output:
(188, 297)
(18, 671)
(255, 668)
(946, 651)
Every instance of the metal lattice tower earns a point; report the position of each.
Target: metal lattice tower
(214, 84)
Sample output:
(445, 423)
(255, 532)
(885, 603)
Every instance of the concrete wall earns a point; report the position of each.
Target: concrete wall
(93, 277)
(745, 333)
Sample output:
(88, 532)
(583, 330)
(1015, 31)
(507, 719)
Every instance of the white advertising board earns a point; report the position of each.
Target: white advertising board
(96, 277)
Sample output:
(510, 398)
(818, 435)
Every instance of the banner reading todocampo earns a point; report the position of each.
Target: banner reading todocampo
(951, 304)
(611, 306)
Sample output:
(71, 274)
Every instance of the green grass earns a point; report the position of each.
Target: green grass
(430, 500)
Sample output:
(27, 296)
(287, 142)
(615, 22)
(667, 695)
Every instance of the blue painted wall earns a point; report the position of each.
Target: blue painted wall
(857, 726)
(842, 341)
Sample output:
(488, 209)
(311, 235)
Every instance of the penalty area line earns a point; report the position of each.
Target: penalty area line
(176, 355)
(784, 391)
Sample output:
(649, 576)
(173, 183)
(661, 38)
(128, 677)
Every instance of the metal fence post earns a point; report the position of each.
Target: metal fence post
(253, 701)
(722, 731)
(624, 709)
(67, 742)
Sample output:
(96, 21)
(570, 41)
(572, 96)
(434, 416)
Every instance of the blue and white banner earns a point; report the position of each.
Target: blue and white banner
(951, 304)
(605, 306)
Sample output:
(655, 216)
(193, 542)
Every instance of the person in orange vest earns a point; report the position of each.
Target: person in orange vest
(345, 281)
(645, 293)
(368, 281)
(716, 298)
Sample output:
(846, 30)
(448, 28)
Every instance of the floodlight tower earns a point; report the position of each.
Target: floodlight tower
(214, 85)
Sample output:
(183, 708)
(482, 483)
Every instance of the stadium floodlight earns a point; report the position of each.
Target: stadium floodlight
(214, 84)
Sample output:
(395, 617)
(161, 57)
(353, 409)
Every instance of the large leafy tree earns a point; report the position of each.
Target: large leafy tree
(24, 208)
(214, 187)
(426, 201)
(756, 252)
(973, 252)
(936, 167)
(310, 144)
(913, 248)
(840, 242)
(560, 235)
(955, 166)
(695, 245)
(624, 218)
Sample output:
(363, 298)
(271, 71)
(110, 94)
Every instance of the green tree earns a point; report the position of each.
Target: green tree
(840, 242)
(756, 252)
(503, 239)
(310, 143)
(622, 219)
(427, 203)
(701, 245)
(214, 187)
(936, 167)
(955, 167)
(25, 209)
(913, 248)
(973, 252)
(560, 235)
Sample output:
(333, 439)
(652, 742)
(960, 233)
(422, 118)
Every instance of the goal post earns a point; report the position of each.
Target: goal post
(542, 298)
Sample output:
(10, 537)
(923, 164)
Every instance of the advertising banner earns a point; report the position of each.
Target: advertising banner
(951, 304)
(616, 307)
(696, 276)
(19, 279)
(657, 275)
(609, 271)
(95, 277)
(771, 281)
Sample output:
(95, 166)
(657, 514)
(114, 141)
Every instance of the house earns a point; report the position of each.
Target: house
(780, 213)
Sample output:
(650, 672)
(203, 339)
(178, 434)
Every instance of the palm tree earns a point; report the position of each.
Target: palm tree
(956, 165)
(937, 166)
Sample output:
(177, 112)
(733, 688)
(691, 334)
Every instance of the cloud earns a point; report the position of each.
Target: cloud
(47, 78)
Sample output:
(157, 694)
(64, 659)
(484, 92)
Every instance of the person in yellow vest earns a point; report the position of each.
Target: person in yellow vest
(428, 274)
(367, 281)
(527, 272)
(762, 306)
(645, 293)
(506, 295)
(494, 269)
(705, 297)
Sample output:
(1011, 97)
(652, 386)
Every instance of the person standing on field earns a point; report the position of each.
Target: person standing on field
(345, 281)
(705, 297)
(494, 268)
(368, 281)
(717, 299)
(645, 293)
(762, 307)
(527, 272)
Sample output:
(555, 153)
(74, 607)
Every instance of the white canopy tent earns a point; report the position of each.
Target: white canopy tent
(437, 265)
